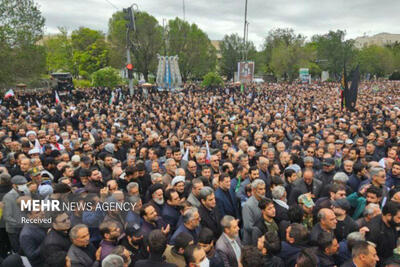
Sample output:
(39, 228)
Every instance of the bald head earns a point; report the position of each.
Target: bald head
(327, 219)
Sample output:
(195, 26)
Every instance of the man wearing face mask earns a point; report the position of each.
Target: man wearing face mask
(12, 211)
(195, 256)
(383, 232)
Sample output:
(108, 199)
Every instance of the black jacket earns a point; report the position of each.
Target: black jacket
(345, 227)
(154, 260)
(326, 177)
(384, 237)
(55, 241)
(300, 187)
(273, 261)
(211, 219)
(281, 213)
(325, 260)
(289, 252)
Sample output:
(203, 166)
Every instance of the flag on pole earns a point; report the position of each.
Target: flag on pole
(112, 98)
(57, 99)
(343, 89)
(38, 104)
(9, 93)
(208, 155)
(186, 156)
(353, 91)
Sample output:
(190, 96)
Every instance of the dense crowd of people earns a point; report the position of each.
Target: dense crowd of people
(272, 175)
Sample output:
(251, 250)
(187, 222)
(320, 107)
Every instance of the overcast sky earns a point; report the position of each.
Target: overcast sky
(220, 17)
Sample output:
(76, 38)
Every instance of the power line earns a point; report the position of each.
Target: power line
(112, 5)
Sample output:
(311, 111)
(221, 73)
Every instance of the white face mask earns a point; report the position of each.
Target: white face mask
(24, 189)
(205, 263)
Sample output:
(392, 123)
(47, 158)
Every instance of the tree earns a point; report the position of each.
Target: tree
(90, 51)
(59, 52)
(147, 40)
(108, 77)
(21, 27)
(285, 52)
(277, 37)
(197, 55)
(395, 49)
(376, 60)
(117, 39)
(212, 79)
(232, 48)
(333, 48)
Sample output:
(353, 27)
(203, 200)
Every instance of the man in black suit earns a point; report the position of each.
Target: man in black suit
(227, 202)
(210, 216)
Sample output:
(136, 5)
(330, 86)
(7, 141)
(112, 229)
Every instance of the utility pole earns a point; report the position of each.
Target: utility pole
(244, 31)
(131, 27)
(247, 41)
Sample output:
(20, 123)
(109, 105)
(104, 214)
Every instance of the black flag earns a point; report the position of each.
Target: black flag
(351, 96)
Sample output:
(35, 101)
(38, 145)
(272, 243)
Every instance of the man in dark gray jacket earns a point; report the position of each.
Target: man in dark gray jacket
(82, 253)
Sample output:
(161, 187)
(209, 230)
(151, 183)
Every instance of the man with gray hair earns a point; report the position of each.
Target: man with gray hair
(229, 245)
(280, 203)
(347, 245)
(113, 260)
(170, 167)
(378, 179)
(370, 211)
(133, 189)
(82, 252)
(250, 209)
(309, 162)
(191, 225)
(156, 178)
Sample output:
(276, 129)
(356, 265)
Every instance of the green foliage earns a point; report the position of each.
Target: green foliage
(59, 52)
(108, 77)
(21, 27)
(332, 48)
(232, 48)
(197, 55)
(90, 51)
(276, 38)
(212, 79)
(376, 60)
(151, 79)
(395, 49)
(82, 83)
(147, 41)
(287, 52)
(117, 39)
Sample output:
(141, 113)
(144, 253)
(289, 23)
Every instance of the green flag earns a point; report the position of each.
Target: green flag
(242, 88)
